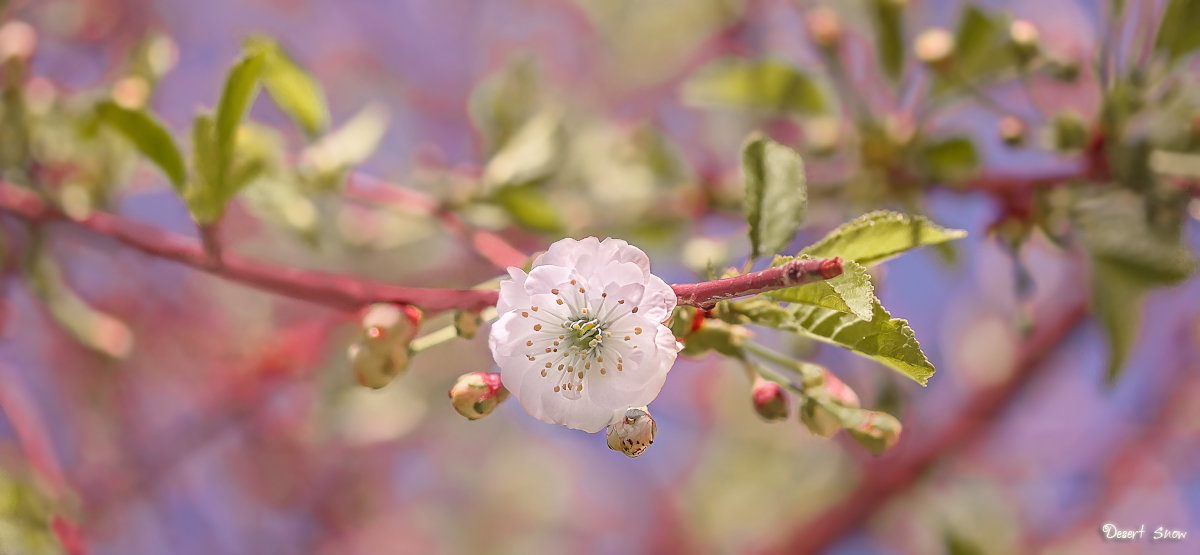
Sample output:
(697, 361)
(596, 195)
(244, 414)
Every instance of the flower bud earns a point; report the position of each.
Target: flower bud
(475, 395)
(1024, 37)
(877, 431)
(1012, 131)
(770, 401)
(131, 92)
(17, 40)
(824, 27)
(374, 368)
(381, 352)
(822, 409)
(633, 433)
(934, 47)
(467, 323)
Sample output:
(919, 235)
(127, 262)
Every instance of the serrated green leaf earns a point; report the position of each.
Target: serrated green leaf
(887, 19)
(877, 236)
(241, 88)
(851, 292)
(767, 85)
(291, 87)
(951, 159)
(150, 138)
(1117, 296)
(889, 341)
(1113, 227)
(1177, 34)
(776, 195)
(93, 329)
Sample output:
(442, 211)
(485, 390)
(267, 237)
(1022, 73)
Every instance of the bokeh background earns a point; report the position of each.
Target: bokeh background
(235, 426)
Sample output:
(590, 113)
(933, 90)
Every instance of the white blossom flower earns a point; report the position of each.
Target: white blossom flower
(581, 337)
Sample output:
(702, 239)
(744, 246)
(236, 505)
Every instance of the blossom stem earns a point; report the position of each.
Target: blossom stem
(797, 272)
(803, 369)
(445, 333)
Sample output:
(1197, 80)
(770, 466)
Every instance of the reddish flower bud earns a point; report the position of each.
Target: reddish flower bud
(475, 395)
(632, 433)
(770, 401)
(824, 27)
(17, 40)
(1012, 131)
(382, 353)
(934, 47)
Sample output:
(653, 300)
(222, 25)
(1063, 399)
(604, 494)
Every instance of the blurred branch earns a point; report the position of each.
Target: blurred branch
(334, 290)
(892, 474)
(489, 245)
(351, 293)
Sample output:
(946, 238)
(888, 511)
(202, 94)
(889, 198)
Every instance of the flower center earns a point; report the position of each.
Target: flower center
(586, 334)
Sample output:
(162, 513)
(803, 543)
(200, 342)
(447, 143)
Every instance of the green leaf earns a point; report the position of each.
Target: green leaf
(241, 88)
(531, 154)
(92, 328)
(529, 206)
(1177, 32)
(500, 105)
(202, 194)
(949, 160)
(347, 146)
(767, 85)
(850, 292)
(1113, 227)
(291, 87)
(887, 18)
(877, 236)
(1117, 296)
(776, 196)
(150, 138)
(889, 341)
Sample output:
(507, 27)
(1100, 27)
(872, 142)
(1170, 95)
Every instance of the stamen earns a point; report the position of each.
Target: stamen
(559, 301)
(528, 343)
(533, 308)
(555, 291)
(537, 327)
(634, 310)
(572, 282)
(524, 314)
(637, 331)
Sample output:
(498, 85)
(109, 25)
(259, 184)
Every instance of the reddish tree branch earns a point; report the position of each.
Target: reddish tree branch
(797, 272)
(351, 293)
(886, 476)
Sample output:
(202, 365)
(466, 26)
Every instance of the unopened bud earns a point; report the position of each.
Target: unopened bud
(770, 401)
(376, 368)
(131, 92)
(17, 40)
(467, 323)
(934, 47)
(877, 431)
(475, 395)
(823, 134)
(381, 352)
(1024, 37)
(161, 55)
(633, 433)
(824, 27)
(1012, 131)
(824, 409)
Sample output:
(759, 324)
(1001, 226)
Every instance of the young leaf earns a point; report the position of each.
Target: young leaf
(850, 292)
(980, 48)
(291, 87)
(345, 147)
(877, 236)
(241, 88)
(150, 138)
(776, 197)
(887, 17)
(93, 329)
(767, 85)
(1117, 295)
(890, 341)
(1177, 32)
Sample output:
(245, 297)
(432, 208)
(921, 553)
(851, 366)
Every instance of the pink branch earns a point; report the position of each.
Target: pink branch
(797, 272)
(351, 293)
